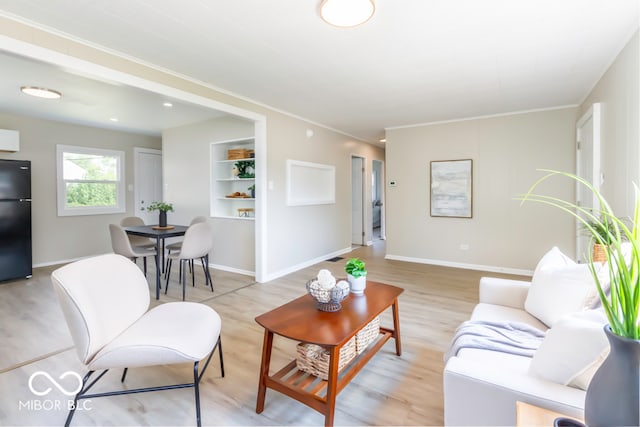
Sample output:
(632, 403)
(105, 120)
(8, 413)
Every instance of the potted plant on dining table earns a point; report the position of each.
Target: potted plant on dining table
(162, 209)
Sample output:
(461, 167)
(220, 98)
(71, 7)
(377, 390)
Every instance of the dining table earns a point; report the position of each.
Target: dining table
(159, 234)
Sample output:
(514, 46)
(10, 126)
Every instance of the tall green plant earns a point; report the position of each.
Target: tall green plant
(623, 304)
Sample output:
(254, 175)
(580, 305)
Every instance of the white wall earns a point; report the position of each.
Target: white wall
(618, 91)
(506, 151)
(296, 235)
(186, 178)
(300, 234)
(56, 239)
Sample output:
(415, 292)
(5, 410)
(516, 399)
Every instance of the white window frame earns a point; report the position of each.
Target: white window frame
(64, 210)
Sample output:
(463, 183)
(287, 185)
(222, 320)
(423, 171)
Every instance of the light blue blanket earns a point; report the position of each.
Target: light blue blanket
(507, 337)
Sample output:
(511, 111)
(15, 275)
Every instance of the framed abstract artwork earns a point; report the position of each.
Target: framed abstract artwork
(452, 188)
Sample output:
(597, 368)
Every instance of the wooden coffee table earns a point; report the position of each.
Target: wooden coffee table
(300, 320)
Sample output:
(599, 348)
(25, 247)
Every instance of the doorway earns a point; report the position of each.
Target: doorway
(148, 182)
(377, 200)
(357, 200)
(588, 168)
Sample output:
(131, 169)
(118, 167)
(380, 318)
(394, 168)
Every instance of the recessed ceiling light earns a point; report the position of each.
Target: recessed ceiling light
(383, 139)
(114, 119)
(41, 92)
(167, 104)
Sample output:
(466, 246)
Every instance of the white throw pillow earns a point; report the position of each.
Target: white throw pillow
(559, 286)
(553, 259)
(573, 349)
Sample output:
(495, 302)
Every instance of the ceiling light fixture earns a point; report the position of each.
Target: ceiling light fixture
(346, 13)
(167, 104)
(114, 119)
(41, 92)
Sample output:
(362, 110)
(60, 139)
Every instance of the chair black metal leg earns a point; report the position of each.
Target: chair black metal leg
(168, 275)
(197, 376)
(144, 262)
(207, 275)
(219, 345)
(193, 273)
(196, 386)
(183, 277)
(72, 411)
(124, 374)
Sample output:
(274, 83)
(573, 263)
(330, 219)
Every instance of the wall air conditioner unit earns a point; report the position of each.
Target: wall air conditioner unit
(9, 140)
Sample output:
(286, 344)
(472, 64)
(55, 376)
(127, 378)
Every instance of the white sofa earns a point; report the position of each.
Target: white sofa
(481, 387)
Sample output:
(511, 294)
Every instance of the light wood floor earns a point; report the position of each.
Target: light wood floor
(390, 390)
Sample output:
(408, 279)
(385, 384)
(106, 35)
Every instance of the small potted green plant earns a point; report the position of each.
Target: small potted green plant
(245, 168)
(600, 230)
(356, 275)
(162, 208)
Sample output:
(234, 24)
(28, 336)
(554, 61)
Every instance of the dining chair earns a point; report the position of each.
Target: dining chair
(122, 246)
(105, 301)
(134, 221)
(197, 244)
(175, 246)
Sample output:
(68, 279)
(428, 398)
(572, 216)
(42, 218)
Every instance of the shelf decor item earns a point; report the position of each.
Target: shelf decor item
(162, 209)
(246, 168)
(613, 396)
(356, 275)
(327, 292)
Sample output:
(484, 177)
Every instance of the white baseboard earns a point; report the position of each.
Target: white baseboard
(294, 268)
(490, 268)
(62, 261)
(232, 269)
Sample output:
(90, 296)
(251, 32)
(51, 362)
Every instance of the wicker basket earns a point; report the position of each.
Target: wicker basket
(599, 253)
(367, 335)
(314, 359)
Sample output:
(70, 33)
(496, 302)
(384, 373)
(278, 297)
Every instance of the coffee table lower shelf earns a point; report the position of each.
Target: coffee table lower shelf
(312, 390)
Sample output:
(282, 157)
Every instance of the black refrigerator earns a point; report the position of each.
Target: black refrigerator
(15, 219)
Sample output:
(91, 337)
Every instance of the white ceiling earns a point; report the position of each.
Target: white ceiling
(415, 61)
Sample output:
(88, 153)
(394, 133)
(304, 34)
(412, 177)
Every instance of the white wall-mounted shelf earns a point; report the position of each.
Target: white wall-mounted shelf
(224, 182)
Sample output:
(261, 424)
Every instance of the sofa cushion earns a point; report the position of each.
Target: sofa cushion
(559, 286)
(572, 350)
(500, 313)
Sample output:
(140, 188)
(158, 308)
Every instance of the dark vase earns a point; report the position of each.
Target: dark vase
(612, 396)
(162, 221)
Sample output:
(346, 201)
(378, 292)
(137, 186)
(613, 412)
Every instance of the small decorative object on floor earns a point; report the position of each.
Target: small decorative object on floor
(327, 292)
(162, 208)
(357, 275)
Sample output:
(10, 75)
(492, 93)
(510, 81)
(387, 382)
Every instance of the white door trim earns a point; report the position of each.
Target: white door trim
(593, 114)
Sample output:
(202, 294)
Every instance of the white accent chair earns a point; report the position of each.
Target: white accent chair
(197, 244)
(105, 301)
(121, 245)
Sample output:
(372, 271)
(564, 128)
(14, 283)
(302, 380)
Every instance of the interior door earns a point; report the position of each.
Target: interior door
(357, 199)
(148, 182)
(377, 199)
(587, 167)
